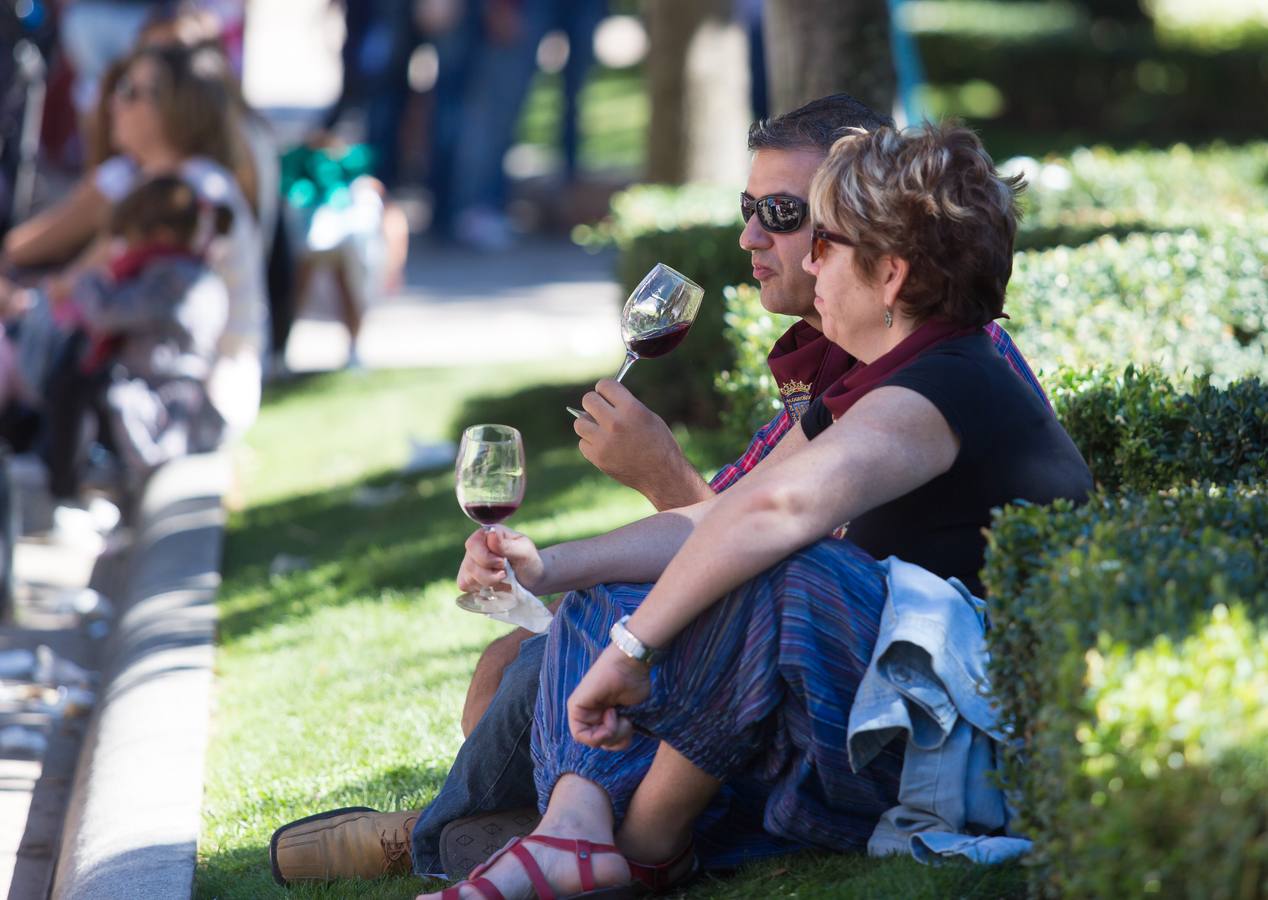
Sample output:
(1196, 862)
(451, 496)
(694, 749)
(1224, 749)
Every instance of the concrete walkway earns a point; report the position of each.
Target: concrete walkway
(545, 298)
(40, 734)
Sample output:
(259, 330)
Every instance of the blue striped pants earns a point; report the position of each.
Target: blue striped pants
(755, 692)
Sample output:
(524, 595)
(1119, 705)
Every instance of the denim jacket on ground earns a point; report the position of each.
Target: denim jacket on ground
(927, 681)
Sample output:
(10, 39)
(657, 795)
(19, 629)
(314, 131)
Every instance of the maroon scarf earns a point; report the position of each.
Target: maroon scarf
(862, 377)
(132, 261)
(805, 364)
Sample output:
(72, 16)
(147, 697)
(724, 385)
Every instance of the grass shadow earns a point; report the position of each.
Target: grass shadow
(390, 532)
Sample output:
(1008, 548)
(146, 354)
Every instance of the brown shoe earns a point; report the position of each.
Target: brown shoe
(355, 842)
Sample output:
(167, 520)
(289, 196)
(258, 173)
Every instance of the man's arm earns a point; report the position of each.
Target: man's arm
(636, 552)
(631, 444)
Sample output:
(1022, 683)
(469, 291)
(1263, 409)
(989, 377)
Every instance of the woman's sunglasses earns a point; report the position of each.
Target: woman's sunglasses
(821, 237)
(130, 92)
(776, 213)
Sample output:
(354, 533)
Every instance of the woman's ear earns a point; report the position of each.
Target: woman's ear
(893, 271)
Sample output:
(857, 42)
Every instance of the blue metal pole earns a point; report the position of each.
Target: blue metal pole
(906, 64)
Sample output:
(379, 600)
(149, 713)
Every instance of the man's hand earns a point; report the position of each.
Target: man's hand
(613, 680)
(488, 552)
(631, 444)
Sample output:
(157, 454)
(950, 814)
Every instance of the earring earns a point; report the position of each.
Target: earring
(889, 318)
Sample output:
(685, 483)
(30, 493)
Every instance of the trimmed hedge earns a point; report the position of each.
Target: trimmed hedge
(1129, 790)
(751, 397)
(1117, 573)
(1176, 761)
(1218, 192)
(1075, 199)
(1184, 306)
(1185, 303)
(1138, 432)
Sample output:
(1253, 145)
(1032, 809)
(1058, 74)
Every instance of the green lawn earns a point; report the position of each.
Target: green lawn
(341, 673)
(614, 112)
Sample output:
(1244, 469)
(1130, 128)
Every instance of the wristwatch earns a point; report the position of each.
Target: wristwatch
(632, 647)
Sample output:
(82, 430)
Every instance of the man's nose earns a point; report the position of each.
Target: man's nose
(754, 237)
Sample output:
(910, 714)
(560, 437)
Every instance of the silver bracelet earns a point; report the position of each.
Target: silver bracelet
(632, 647)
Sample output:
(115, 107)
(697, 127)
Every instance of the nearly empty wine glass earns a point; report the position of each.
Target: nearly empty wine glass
(489, 482)
(656, 317)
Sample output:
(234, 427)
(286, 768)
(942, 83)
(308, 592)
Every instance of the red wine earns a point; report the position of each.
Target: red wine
(490, 513)
(660, 342)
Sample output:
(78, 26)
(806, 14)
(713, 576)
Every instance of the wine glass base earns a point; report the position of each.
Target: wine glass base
(499, 602)
(579, 413)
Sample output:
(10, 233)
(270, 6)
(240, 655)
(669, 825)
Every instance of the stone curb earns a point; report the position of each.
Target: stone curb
(132, 823)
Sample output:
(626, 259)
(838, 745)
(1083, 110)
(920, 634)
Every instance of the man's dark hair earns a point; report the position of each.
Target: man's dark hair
(816, 125)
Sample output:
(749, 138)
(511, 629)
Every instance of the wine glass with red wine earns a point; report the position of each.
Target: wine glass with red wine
(489, 482)
(656, 317)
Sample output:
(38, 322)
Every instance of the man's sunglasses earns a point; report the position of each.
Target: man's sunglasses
(776, 213)
(821, 237)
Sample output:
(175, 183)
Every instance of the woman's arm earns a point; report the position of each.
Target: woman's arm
(61, 231)
(890, 443)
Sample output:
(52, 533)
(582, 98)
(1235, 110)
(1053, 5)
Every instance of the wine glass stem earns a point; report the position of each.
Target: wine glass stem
(486, 592)
(630, 358)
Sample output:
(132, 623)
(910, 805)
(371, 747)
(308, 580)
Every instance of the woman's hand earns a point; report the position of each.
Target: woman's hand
(14, 300)
(488, 552)
(59, 288)
(613, 680)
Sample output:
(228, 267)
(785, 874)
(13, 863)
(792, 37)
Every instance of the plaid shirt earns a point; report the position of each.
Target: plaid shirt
(770, 434)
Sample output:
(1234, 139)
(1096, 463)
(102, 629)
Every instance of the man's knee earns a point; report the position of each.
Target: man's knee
(502, 652)
(492, 666)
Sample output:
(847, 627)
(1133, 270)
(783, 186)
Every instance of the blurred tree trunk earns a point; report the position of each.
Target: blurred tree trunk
(820, 47)
(697, 71)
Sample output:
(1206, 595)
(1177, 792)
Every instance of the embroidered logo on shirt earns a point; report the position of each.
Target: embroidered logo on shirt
(796, 397)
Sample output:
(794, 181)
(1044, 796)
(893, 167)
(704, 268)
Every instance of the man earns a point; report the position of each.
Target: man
(493, 769)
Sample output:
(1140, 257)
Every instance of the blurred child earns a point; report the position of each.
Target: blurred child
(345, 224)
(149, 327)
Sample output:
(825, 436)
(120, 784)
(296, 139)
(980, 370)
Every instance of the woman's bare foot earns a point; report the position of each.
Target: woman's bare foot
(579, 810)
(558, 866)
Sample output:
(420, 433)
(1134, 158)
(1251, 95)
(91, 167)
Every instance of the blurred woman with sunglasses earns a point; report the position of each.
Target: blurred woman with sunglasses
(171, 111)
(763, 624)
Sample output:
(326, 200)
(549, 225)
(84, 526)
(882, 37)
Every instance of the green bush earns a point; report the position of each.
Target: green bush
(1139, 432)
(1189, 302)
(751, 397)
(1175, 764)
(1130, 568)
(1072, 200)
(1056, 72)
(1210, 26)
(696, 230)
(1184, 303)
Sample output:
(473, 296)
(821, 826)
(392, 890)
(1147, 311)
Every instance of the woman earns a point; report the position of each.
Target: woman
(171, 109)
(765, 626)
(171, 113)
(60, 232)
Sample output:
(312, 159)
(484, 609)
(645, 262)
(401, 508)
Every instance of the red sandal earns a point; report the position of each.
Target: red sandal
(647, 878)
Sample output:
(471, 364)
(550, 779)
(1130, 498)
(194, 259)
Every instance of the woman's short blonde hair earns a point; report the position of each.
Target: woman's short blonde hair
(931, 196)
